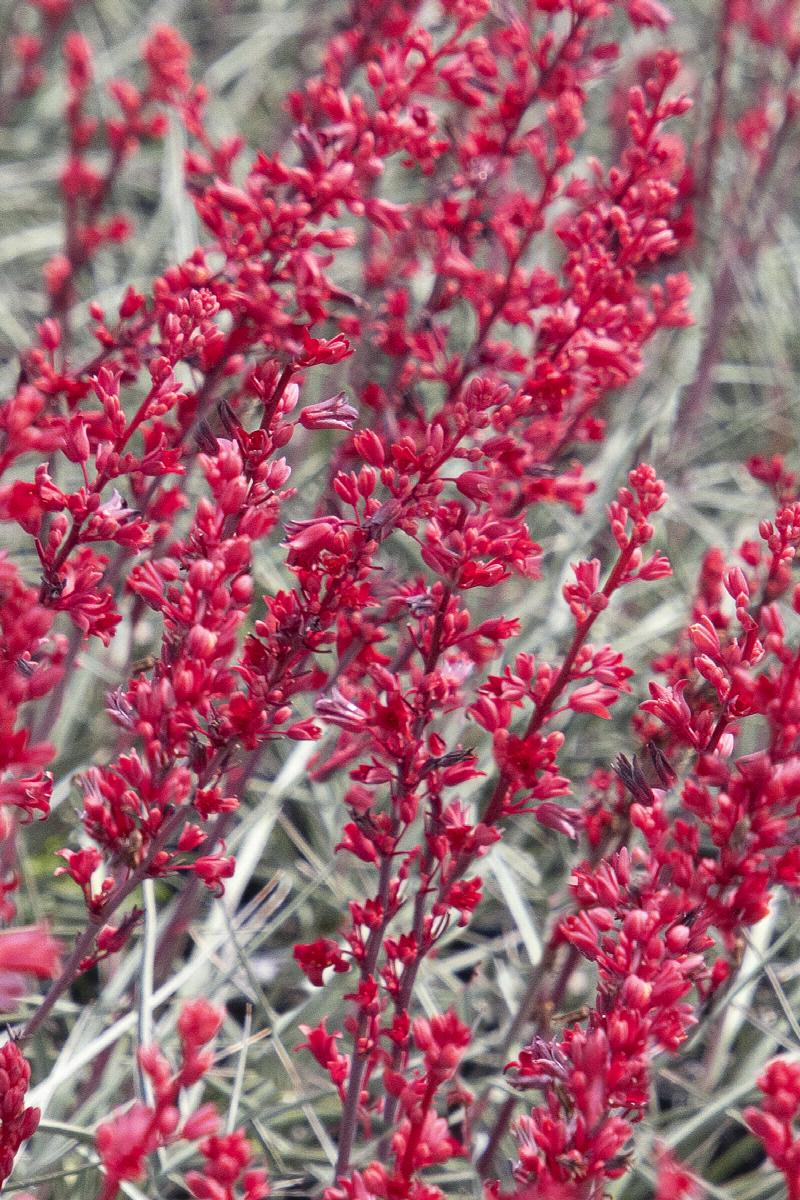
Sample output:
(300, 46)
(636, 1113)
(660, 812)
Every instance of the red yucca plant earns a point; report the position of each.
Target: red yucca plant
(297, 678)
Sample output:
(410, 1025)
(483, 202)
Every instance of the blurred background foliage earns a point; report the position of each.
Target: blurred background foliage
(744, 349)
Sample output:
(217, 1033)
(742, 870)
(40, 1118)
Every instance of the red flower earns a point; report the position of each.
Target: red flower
(26, 951)
(315, 957)
(17, 1123)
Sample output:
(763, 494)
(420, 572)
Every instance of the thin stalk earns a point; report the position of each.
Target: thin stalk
(534, 997)
(375, 944)
(494, 808)
(358, 1061)
(238, 1082)
(717, 116)
(86, 939)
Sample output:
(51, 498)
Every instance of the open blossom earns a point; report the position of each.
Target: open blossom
(25, 951)
(125, 1142)
(334, 413)
(314, 958)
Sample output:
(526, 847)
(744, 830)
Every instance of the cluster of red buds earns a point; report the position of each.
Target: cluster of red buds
(126, 1140)
(774, 1122)
(17, 1123)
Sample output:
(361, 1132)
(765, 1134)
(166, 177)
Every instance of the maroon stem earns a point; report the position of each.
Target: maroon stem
(186, 905)
(358, 1060)
(535, 997)
(538, 1003)
(188, 901)
(275, 398)
(721, 307)
(494, 809)
(410, 972)
(43, 720)
(717, 731)
(738, 251)
(86, 940)
(407, 1163)
(375, 943)
(717, 115)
